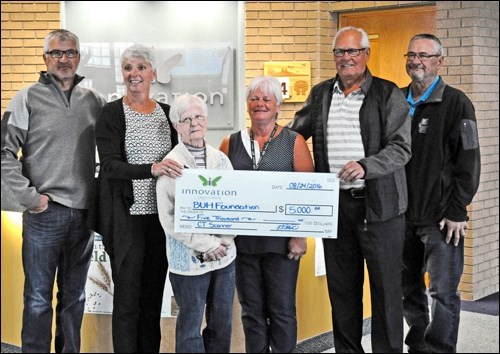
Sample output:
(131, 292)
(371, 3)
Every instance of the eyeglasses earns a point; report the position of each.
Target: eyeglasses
(421, 56)
(353, 52)
(57, 54)
(190, 120)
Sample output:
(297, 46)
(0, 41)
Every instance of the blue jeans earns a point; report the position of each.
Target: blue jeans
(426, 250)
(215, 290)
(56, 243)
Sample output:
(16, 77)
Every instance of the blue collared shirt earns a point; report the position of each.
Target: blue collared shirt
(422, 99)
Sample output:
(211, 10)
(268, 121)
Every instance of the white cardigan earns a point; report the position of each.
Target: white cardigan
(182, 248)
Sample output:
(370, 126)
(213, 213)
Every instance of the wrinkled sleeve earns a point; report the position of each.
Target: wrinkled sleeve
(15, 124)
(396, 150)
(467, 161)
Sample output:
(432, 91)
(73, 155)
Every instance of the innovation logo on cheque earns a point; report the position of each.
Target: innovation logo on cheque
(209, 181)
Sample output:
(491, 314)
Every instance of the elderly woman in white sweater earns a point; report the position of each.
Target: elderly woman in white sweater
(202, 267)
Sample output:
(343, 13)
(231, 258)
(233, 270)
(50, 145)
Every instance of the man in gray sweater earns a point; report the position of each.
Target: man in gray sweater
(52, 123)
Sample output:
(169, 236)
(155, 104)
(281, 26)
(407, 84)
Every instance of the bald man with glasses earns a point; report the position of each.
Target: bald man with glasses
(361, 132)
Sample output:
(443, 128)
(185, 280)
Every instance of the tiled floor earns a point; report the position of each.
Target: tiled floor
(478, 333)
(7, 348)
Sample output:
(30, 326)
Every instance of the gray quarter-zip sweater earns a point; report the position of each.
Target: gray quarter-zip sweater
(57, 141)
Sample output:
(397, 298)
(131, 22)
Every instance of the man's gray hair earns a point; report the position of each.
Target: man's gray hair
(365, 42)
(63, 35)
(437, 43)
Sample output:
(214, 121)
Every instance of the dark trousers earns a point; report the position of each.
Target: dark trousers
(266, 285)
(381, 246)
(138, 291)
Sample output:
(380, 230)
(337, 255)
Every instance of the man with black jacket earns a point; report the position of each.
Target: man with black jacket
(443, 177)
(361, 132)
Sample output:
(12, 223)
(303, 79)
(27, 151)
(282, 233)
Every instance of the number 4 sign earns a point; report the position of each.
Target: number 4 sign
(295, 78)
(285, 86)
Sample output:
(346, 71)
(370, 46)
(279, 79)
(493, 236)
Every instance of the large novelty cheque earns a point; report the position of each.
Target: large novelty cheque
(257, 203)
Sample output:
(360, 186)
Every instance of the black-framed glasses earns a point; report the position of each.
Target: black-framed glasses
(57, 54)
(421, 56)
(352, 52)
(196, 118)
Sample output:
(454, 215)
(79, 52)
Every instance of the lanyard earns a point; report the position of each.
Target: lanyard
(264, 148)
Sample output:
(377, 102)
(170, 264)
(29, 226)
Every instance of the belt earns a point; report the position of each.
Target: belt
(356, 193)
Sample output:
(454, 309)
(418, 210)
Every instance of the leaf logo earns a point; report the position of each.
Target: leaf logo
(209, 181)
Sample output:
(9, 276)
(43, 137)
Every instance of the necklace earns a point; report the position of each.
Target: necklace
(264, 148)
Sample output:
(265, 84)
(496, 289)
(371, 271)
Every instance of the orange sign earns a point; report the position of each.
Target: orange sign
(295, 78)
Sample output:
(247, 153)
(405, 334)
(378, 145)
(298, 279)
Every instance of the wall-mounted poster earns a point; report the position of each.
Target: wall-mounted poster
(295, 78)
(204, 70)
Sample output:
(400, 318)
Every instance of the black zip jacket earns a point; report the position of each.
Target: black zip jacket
(385, 132)
(443, 173)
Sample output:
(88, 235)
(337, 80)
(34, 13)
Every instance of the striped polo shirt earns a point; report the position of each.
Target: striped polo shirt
(344, 142)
